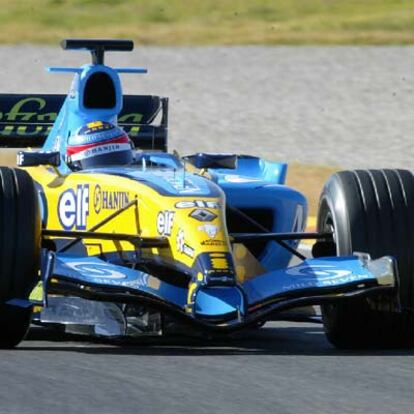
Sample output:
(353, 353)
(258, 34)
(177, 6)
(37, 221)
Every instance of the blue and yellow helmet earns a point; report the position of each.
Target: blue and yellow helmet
(99, 144)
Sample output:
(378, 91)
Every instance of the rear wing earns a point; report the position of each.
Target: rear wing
(26, 120)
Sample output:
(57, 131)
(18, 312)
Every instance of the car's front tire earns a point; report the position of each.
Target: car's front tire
(371, 211)
(19, 251)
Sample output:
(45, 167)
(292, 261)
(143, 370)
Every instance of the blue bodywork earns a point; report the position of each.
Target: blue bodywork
(232, 306)
(264, 182)
(254, 183)
(74, 114)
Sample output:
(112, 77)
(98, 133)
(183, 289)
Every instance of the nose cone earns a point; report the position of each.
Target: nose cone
(219, 303)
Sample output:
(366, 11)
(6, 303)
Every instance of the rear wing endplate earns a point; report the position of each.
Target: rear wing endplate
(26, 120)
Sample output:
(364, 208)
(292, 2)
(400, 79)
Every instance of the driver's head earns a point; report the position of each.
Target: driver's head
(98, 144)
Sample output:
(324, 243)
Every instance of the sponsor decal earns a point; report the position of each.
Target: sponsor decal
(98, 126)
(197, 203)
(180, 240)
(189, 251)
(35, 111)
(318, 270)
(202, 215)
(73, 208)
(181, 183)
(98, 270)
(219, 261)
(182, 247)
(210, 229)
(109, 200)
(110, 275)
(217, 267)
(100, 150)
(165, 222)
(186, 186)
(321, 276)
(213, 242)
(17, 113)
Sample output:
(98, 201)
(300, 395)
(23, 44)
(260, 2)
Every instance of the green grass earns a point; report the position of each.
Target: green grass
(182, 22)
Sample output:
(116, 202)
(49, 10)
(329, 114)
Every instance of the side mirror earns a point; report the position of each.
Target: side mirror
(32, 159)
(212, 160)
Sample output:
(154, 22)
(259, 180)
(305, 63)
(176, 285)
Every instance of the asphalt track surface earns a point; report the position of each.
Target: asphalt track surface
(281, 368)
(354, 106)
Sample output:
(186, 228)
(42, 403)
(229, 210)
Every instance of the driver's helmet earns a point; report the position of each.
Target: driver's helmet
(99, 144)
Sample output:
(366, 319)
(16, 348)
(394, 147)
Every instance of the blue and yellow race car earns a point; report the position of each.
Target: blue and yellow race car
(105, 232)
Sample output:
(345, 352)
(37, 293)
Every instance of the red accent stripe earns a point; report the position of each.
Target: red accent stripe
(79, 148)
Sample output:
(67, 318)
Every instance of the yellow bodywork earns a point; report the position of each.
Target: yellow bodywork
(81, 201)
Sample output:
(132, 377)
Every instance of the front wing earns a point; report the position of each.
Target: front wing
(222, 308)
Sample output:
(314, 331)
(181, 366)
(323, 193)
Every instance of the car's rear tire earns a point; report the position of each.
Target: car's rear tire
(19, 251)
(371, 211)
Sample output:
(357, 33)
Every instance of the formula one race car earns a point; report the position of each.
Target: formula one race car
(103, 230)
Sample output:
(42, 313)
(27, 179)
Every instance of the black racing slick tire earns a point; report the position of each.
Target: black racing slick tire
(20, 231)
(371, 211)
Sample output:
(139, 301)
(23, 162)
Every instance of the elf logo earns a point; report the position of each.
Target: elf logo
(197, 203)
(165, 222)
(73, 208)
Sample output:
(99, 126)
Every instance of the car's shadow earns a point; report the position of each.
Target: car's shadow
(304, 339)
